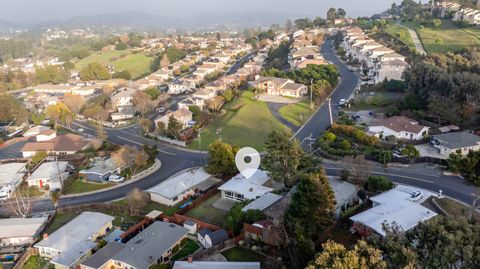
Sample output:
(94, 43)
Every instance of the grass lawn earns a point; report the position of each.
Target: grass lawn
(205, 211)
(60, 220)
(456, 209)
(447, 37)
(34, 262)
(34, 192)
(401, 34)
(79, 186)
(101, 57)
(188, 249)
(242, 254)
(137, 64)
(168, 210)
(297, 113)
(246, 123)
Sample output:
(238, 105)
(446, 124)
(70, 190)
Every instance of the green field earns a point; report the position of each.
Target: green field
(137, 64)
(246, 123)
(297, 113)
(447, 37)
(400, 33)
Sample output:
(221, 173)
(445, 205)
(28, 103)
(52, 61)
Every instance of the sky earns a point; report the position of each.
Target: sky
(28, 11)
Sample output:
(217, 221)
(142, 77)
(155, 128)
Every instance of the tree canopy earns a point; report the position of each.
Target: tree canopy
(94, 71)
(221, 159)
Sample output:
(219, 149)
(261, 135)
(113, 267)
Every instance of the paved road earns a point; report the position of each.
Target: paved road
(320, 120)
(416, 39)
(175, 159)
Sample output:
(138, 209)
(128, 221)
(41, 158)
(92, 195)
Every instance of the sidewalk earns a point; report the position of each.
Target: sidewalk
(139, 176)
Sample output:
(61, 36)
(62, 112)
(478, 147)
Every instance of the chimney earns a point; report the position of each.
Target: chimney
(251, 189)
(45, 236)
(190, 259)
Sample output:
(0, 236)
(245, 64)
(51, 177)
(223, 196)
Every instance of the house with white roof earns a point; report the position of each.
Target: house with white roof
(181, 186)
(49, 174)
(242, 189)
(262, 202)
(394, 206)
(11, 175)
(100, 171)
(17, 232)
(72, 243)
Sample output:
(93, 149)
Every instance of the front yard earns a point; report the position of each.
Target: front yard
(206, 212)
(79, 186)
(247, 122)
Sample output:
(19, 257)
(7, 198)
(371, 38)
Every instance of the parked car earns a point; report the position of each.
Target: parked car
(160, 109)
(80, 130)
(116, 178)
(416, 195)
(342, 102)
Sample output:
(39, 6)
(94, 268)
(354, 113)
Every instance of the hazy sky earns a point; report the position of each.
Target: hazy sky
(39, 10)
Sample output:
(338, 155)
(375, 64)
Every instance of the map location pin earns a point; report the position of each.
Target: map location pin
(247, 161)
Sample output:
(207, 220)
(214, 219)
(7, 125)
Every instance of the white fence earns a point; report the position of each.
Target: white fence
(169, 140)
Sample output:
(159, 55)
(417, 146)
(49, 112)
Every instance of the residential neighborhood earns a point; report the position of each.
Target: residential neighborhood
(217, 135)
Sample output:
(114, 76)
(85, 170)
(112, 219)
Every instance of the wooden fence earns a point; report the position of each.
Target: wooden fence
(28, 253)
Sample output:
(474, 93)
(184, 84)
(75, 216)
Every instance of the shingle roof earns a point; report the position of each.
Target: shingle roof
(103, 255)
(458, 140)
(401, 123)
(218, 236)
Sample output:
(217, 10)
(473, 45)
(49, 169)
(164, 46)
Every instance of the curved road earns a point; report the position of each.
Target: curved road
(175, 159)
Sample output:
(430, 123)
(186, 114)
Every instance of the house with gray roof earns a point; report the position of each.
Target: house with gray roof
(72, 243)
(101, 170)
(209, 239)
(153, 245)
(461, 142)
(20, 231)
(101, 258)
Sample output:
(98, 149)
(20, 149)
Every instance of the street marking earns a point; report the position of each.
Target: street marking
(395, 175)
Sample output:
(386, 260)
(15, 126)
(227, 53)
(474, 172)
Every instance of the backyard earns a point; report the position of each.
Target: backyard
(34, 262)
(297, 113)
(242, 254)
(447, 37)
(168, 210)
(247, 122)
(189, 248)
(137, 64)
(206, 212)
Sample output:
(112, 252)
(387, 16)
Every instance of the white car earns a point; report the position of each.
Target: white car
(80, 130)
(116, 178)
(342, 102)
(416, 195)
(160, 109)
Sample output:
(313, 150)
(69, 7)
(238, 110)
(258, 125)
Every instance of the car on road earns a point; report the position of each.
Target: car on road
(160, 109)
(80, 130)
(116, 178)
(342, 102)
(416, 195)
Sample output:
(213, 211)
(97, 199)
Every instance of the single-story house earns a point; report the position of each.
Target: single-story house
(262, 202)
(35, 130)
(72, 243)
(101, 171)
(60, 145)
(209, 239)
(11, 175)
(215, 265)
(17, 232)
(181, 186)
(49, 174)
(101, 258)
(345, 194)
(461, 142)
(393, 206)
(400, 127)
(241, 189)
(183, 115)
(151, 246)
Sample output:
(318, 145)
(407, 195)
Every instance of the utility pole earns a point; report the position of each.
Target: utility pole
(330, 111)
(311, 93)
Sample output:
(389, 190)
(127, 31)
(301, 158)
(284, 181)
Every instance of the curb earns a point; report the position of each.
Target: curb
(158, 165)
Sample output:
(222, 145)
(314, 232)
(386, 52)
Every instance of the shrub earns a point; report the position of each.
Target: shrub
(379, 184)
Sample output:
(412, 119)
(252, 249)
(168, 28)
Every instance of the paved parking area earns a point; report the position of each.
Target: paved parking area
(224, 204)
(427, 150)
(278, 99)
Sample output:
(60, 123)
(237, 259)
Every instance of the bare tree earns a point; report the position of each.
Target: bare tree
(140, 159)
(146, 124)
(137, 199)
(360, 168)
(20, 203)
(74, 102)
(143, 103)
(162, 99)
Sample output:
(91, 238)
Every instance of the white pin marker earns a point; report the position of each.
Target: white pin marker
(247, 161)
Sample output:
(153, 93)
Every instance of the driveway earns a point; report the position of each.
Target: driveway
(275, 109)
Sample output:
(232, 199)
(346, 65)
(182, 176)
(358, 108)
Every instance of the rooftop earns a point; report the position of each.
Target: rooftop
(71, 255)
(21, 227)
(102, 168)
(250, 188)
(262, 202)
(394, 206)
(458, 140)
(50, 170)
(401, 123)
(180, 183)
(148, 246)
(103, 255)
(11, 173)
(76, 231)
